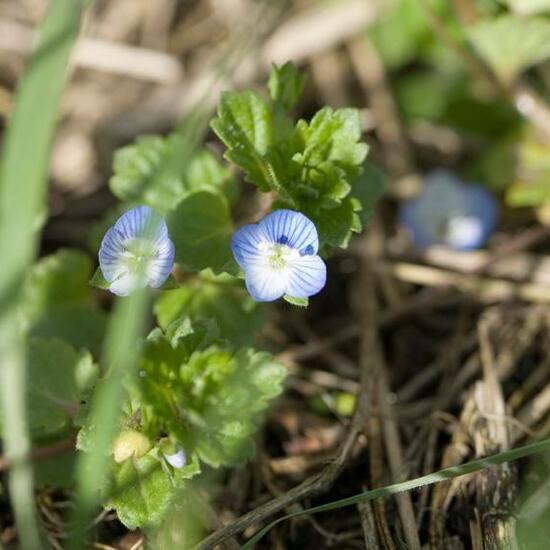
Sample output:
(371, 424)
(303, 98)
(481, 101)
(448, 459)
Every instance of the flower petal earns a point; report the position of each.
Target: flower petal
(126, 283)
(245, 244)
(110, 251)
(307, 276)
(142, 221)
(160, 267)
(177, 459)
(291, 228)
(265, 283)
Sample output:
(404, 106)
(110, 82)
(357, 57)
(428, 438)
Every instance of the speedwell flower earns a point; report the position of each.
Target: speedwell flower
(279, 256)
(450, 212)
(136, 252)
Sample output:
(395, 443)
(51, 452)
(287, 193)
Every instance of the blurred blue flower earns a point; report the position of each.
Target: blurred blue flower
(136, 252)
(450, 212)
(279, 256)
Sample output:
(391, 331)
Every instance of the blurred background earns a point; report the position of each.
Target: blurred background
(453, 94)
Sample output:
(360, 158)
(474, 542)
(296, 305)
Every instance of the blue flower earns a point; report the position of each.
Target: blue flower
(136, 252)
(450, 212)
(279, 256)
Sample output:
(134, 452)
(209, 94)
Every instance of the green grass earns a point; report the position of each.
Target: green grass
(23, 177)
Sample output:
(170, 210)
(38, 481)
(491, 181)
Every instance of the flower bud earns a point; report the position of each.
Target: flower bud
(130, 443)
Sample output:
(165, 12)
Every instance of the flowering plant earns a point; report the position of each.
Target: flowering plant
(200, 386)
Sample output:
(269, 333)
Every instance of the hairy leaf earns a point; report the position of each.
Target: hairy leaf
(286, 84)
(244, 124)
(210, 399)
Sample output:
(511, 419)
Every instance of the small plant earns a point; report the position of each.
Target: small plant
(198, 393)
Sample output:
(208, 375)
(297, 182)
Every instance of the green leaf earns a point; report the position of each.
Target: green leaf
(49, 282)
(367, 189)
(300, 302)
(141, 173)
(336, 225)
(59, 301)
(526, 43)
(99, 281)
(207, 173)
(286, 84)
(142, 489)
(209, 399)
(401, 33)
(332, 136)
(201, 229)
(236, 314)
(244, 124)
(58, 375)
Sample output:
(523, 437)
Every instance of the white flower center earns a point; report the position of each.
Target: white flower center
(278, 255)
(464, 231)
(138, 255)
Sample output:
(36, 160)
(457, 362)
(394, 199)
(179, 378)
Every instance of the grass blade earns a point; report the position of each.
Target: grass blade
(23, 174)
(120, 353)
(430, 479)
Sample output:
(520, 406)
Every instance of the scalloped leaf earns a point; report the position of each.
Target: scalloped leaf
(210, 399)
(244, 124)
(143, 489)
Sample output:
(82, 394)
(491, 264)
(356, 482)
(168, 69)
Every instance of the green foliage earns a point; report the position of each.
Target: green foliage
(402, 33)
(511, 44)
(140, 173)
(205, 396)
(286, 85)
(206, 173)
(142, 489)
(367, 189)
(201, 229)
(144, 174)
(58, 377)
(236, 314)
(59, 301)
(245, 125)
(194, 390)
(299, 302)
(311, 166)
